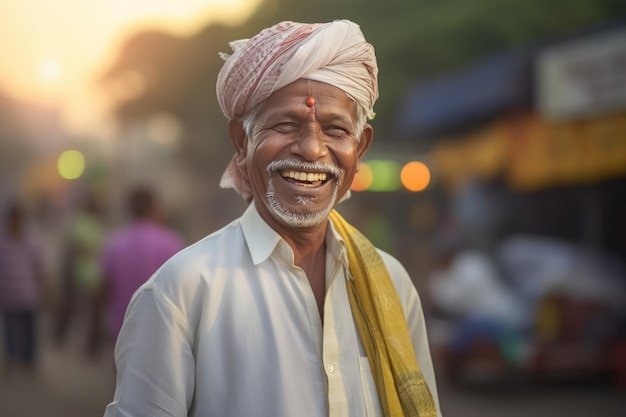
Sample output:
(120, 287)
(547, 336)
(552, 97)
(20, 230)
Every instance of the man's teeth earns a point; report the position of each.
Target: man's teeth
(305, 176)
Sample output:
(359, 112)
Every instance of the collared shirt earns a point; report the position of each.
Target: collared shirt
(230, 327)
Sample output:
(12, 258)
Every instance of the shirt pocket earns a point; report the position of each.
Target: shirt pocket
(370, 395)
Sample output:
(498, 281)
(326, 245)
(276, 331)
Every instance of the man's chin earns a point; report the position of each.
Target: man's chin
(303, 209)
(297, 217)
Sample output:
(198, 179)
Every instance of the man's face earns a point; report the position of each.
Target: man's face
(300, 159)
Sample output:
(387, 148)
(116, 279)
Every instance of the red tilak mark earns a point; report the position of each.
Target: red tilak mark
(310, 101)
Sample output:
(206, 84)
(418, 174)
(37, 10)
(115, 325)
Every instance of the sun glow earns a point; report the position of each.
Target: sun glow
(50, 70)
(82, 38)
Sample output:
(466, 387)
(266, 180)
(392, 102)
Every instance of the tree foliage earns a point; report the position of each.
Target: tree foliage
(415, 40)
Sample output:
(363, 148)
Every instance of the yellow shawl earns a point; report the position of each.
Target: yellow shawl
(383, 329)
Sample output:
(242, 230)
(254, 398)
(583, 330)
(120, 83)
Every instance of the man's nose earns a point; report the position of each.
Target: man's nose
(311, 145)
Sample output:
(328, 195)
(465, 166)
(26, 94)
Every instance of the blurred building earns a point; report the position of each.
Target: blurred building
(543, 129)
(529, 149)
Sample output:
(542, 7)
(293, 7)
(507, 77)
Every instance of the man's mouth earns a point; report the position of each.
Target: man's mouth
(306, 179)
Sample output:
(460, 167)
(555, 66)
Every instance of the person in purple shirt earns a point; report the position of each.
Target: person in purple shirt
(133, 253)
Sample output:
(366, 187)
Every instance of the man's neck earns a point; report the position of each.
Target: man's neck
(307, 244)
(309, 249)
(314, 266)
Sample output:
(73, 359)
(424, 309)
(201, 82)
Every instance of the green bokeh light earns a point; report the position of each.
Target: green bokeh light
(386, 175)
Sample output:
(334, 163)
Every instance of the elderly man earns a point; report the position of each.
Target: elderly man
(288, 310)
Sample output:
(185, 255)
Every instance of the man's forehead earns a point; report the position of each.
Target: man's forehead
(306, 87)
(299, 91)
(337, 106)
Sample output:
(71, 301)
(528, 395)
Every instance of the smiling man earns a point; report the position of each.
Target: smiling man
(288, 310)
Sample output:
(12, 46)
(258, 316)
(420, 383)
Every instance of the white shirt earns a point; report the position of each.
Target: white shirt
(230, 327)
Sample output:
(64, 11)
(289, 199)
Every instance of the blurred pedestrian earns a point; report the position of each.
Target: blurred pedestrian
(81, 276)
(132, 254)
(21, 284)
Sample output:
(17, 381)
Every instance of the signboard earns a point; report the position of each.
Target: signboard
(583, 77)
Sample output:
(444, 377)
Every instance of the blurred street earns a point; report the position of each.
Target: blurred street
(554, 402)
(70, 385)
(67, 383)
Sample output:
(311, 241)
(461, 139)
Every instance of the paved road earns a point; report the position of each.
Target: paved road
(69, 385)
(555, 400)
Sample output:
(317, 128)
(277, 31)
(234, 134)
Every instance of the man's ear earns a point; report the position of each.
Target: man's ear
(238, 137)
(365, 140)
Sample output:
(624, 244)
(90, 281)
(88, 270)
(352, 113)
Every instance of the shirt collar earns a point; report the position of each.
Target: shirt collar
(336, 246)
(262, 239)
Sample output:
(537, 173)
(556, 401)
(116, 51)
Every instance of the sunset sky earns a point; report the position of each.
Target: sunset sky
(52, 50)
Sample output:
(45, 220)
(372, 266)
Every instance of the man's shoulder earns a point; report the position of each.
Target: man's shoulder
(193, 270)
(216, 242)
(391, 262)
(396, 269)
(210, 252)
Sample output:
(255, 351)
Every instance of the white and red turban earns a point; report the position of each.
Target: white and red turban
(335, 53)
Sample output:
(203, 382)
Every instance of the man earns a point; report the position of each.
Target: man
(21, 287)
(132, 254)
(81, 276)
(273, 315)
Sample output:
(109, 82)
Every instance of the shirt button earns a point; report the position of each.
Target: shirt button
(330, 367)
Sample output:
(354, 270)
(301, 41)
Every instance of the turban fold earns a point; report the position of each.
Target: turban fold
(335, 53)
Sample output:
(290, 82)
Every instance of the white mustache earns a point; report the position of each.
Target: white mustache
(296, 165)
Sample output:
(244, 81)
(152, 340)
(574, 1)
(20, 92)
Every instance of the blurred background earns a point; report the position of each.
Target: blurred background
(497, 176)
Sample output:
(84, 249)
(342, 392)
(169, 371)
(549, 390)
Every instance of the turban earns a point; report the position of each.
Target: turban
(334, 53)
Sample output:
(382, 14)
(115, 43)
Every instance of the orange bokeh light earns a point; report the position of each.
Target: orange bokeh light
(415, 176)
(363, 179)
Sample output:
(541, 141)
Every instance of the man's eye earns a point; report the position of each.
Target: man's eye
(285, 127)
(335, 131)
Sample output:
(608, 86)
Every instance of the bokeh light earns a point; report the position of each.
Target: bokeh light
(71, 164)
(415, 176)
(363, 178)
(50, 70)
(386, 175)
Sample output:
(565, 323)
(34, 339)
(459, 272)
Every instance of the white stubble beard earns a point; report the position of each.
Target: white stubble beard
(300, 220)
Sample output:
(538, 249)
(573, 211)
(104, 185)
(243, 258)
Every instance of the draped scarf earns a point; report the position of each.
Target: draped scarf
(383, 330)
